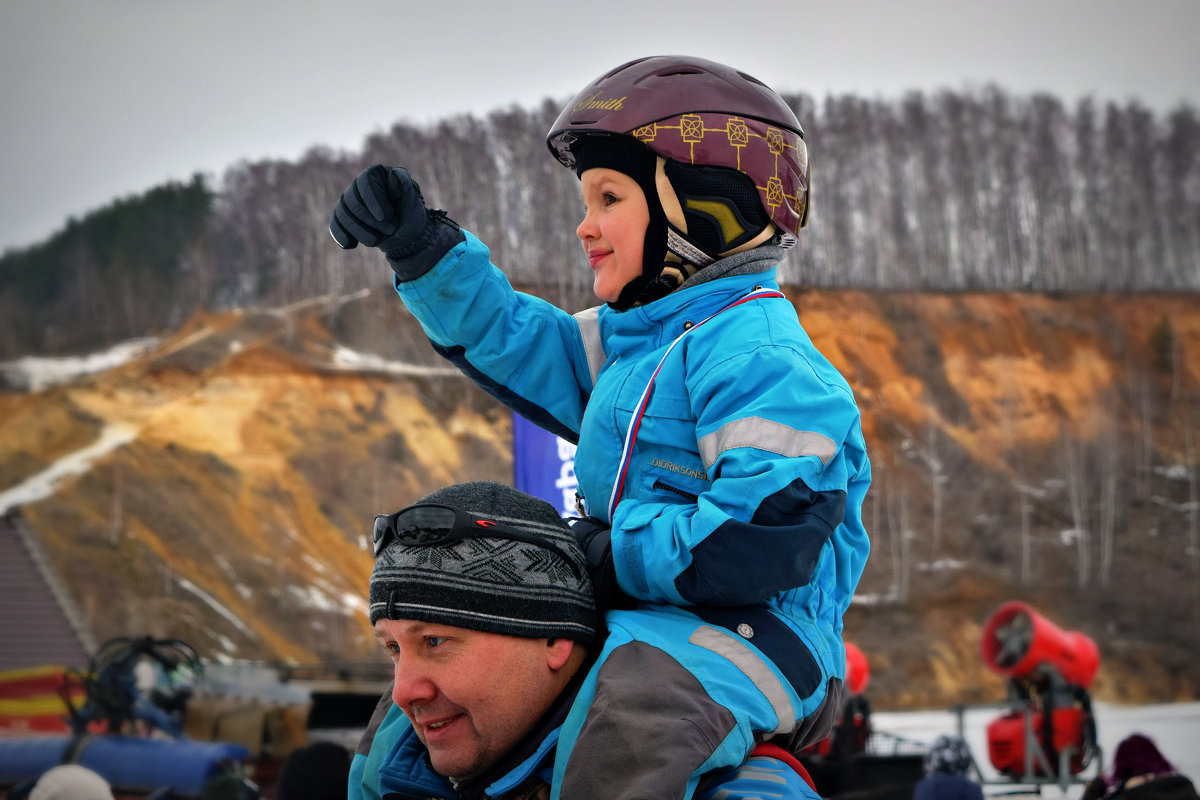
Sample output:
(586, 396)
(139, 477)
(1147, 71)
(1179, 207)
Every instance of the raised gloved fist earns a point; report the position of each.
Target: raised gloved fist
(382, 208)
(595, 539)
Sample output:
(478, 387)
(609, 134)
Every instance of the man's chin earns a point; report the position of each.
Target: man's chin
(454, 765)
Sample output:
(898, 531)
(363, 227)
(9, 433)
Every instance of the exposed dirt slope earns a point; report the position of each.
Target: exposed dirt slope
(1023, 446)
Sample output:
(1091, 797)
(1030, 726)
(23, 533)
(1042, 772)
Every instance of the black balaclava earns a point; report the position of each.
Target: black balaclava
(713, 211)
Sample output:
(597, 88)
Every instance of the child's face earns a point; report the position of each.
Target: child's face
(613, 230)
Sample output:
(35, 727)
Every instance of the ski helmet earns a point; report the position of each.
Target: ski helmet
(731, 165)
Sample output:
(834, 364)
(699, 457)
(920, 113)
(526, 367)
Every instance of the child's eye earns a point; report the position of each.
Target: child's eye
(609, 198)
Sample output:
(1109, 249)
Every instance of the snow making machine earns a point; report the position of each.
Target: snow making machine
(1048, 733)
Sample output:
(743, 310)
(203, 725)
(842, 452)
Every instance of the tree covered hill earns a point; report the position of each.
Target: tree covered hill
(945, 192)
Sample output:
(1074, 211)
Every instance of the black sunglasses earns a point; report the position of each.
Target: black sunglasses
(425, 525)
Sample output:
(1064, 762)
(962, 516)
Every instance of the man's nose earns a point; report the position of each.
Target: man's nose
(411, 684)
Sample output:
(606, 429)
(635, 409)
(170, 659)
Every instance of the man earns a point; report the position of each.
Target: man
(481, 596)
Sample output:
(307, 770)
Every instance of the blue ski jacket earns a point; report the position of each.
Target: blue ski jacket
(724, 449)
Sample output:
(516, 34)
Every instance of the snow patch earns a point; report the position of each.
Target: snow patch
(321, 598)
(1175, 472)
(863, 599)
(942, 564)
(1070, 536)
(37, 373)
(347, 359)
(45, 483)
(316, 566)
(355, 603)
(212, 603)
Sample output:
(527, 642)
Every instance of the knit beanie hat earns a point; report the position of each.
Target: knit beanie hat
(1137, 755)
(71, 782)
(948, 755)
(513, 567)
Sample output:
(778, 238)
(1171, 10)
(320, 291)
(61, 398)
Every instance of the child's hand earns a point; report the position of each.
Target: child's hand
(384, 208)
(594, 539)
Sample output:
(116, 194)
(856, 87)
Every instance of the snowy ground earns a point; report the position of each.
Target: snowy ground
(1174, 727)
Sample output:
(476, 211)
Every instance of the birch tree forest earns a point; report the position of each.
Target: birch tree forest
(937, 192)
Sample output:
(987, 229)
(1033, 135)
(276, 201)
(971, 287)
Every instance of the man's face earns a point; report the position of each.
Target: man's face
(470, 696)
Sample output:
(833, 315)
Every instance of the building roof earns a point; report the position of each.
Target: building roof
(39, 621)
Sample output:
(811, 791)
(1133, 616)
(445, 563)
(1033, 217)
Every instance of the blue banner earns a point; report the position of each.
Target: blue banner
(544, 466)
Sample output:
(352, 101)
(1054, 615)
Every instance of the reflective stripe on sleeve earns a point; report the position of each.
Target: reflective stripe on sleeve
(589, 331)
(754, 668)
(764, 434)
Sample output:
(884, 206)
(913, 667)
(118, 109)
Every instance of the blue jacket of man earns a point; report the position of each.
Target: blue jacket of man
(391, 763)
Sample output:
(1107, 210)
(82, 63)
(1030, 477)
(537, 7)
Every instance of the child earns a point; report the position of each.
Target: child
(723, 450)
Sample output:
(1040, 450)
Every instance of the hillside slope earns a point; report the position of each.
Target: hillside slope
(1023, 446)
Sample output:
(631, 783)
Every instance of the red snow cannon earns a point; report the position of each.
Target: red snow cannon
(1049, 730)
(1017, 641)
(853, 726)
(858, 672)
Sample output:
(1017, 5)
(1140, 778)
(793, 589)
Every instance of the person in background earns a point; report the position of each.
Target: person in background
(481, 598)
(721, 461)
(947, 762)
(317, 771)
(1141, 772)
(71, 782)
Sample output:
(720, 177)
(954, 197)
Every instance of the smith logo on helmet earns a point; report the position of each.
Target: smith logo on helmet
(597, 101)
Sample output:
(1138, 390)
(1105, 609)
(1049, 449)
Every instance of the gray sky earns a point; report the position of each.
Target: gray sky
(105, 98)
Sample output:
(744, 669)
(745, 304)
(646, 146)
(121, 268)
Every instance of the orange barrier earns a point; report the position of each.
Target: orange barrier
(31, 700)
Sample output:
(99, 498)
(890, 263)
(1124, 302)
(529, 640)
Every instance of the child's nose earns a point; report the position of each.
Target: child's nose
(587, 228)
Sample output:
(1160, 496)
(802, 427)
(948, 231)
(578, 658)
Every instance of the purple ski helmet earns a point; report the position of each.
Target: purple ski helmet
(697, 112)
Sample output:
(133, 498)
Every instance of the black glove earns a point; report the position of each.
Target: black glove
(595, 539)
(384, 208)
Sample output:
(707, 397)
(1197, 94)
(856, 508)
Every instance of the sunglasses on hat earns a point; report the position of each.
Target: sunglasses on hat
(427, 524)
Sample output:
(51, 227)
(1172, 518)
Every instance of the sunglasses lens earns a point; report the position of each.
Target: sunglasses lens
(425, 524)
(379, 537)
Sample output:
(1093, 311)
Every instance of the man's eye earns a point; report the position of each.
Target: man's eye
(434, 641)
(391, 648)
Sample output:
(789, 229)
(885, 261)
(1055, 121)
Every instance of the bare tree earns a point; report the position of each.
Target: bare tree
(1075, 474)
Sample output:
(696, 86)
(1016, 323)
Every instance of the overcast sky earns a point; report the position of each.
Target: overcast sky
(105, 98)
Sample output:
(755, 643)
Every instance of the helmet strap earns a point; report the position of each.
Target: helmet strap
(670, 254)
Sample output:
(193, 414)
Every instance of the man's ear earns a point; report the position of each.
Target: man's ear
(558, 652)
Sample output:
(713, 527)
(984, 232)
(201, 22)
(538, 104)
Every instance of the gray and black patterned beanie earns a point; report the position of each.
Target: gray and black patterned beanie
(494, 585)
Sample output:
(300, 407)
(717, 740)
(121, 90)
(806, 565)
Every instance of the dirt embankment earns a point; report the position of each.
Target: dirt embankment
(1027, 447)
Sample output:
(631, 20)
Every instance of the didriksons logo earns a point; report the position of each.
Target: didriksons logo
(698, 474)
(597, 100)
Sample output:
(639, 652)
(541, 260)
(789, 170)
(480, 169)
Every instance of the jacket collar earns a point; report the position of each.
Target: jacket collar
(651, 326)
